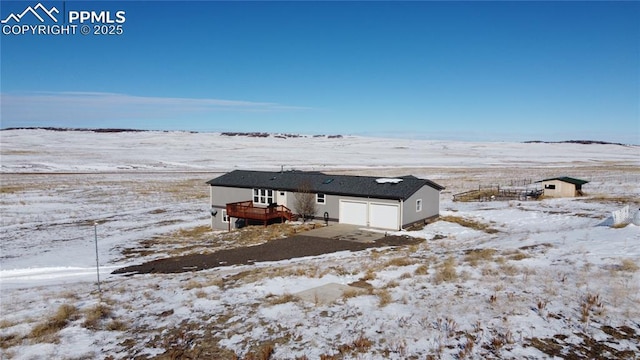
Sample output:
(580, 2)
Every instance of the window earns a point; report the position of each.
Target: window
(550, 187)
(225, 217)
(320, 199)
(263, 196)
(418, 205)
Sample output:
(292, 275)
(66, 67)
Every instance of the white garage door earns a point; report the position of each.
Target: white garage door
(353, 212)
(384, 216)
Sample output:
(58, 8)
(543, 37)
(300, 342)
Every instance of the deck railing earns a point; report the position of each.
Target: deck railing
(246, 210)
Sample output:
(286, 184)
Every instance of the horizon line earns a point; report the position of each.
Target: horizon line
(271, 133)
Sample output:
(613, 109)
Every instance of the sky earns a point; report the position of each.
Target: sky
(479, 71)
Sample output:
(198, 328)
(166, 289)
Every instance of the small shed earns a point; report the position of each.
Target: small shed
(563, 186)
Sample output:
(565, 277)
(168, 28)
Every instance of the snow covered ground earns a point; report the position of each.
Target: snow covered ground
(515, 280)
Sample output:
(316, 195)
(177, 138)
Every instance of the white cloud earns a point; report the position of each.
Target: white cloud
(85, 108)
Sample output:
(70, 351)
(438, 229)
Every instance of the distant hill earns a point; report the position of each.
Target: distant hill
(100, 130)
(584, 142)
(112, 130)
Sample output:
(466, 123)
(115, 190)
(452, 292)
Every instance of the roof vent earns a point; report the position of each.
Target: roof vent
(388, 180)
(328, 181)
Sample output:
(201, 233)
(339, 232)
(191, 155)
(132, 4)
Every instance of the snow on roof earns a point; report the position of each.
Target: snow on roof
(388, 180)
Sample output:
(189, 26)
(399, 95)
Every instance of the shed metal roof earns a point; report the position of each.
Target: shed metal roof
(317, 182)
(567, 179)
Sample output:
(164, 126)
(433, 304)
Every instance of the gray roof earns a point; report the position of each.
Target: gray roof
(567, 179)
(317, 182)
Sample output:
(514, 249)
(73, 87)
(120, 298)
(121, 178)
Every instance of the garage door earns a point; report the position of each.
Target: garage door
(384, 216)
(353, 212)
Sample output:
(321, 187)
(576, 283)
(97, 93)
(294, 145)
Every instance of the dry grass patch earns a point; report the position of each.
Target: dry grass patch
(116, 325)
(400, 261)
(620, 226)
(197, 232)
(201, 239)
(258, 234)
(475, 256)
(192, 284)
(56, 322)
(629, 265)
(384, 297)
(94, 315)
(468, 223)
(12, 189)
(363, 285)
(610, 198)
(282, 299)
(509, 270)
(369, 275)
(186, 189)
(446, 271)
(422, 270)
(517, 255)
(4, 324)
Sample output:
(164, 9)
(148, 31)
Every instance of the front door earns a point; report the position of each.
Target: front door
(282, 198)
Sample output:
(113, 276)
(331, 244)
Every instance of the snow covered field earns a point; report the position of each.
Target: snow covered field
(494, 279)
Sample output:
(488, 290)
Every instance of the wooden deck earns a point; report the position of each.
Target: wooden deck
(246, 210)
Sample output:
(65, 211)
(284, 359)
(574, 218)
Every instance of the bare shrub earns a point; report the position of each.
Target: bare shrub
(590, 303)
(304, 202)
(362, 344)
(541, 305)
(493, 298)
(467, 348)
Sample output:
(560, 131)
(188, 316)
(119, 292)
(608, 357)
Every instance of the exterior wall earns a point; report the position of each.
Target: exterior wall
(562, 189)
(220, 196)
(332, 205)
(430, 206)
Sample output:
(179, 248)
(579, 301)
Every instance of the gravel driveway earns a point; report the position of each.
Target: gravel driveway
(274, 250)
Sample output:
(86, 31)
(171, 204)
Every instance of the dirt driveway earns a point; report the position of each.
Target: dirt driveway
(274, 250)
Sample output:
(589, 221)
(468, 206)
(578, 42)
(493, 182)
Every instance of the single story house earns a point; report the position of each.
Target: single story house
(562, 187)
(385, 203)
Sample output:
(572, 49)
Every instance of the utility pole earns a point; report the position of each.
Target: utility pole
(95, 233)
